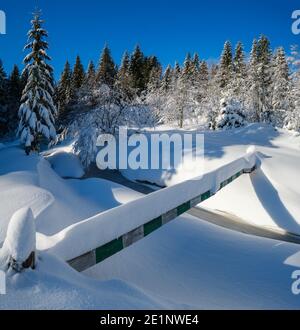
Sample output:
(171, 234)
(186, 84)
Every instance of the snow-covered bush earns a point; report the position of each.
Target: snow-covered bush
(18, 251)
(105, 112)
(230, 116)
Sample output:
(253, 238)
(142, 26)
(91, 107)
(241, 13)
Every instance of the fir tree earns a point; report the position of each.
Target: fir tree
(137, 70)
(265, 78)
(123, 76)
(90, 78)
(238, 84)
(3, 101)
(106, 73)
(203, 73)
(64, 90)
(226, 66)
(167, 80)
(253, 85)
(78, 75)
(239, 60)
(281, 101)
(37, 110)
(14, 96)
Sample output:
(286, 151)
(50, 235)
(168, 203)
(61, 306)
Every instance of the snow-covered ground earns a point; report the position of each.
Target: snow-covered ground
(188, 263)
(268, 198)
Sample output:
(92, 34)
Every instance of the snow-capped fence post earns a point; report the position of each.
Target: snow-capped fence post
(20, 242)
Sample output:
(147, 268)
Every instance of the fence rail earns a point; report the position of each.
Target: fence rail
(114, 246)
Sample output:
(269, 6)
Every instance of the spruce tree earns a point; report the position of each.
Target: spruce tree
(137, 70)
(14, 97)
(240, 74)
(152, 68)
(78, 75)
(253, 85)
(166, 83)
(281, 100)
(123, 77)
(292, 119)
(239, 61)
(265, 72)
(64, 89)
(226, 66)
(196, 61)
(37, 110)
(90, 75)
(106, 73)
(203, 78)
(3, 101)
(203, 72)
(195, 69)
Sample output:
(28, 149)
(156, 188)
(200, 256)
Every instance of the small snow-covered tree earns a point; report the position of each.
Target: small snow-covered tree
(105, 112)
(37, 110)
(231, 115)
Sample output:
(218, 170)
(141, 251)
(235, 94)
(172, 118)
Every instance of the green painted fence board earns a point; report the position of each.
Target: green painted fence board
(152, 226)
(183, 208)
(109, 249)
(205, 196)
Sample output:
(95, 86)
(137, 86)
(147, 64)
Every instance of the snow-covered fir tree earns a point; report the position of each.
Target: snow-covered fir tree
(265, 72)
(225, 69)
(124, 78)
(231, 115)
(253, 85)
(292, 119)
(281, 92)
(240, 74)
(167, 80)
(37, 111)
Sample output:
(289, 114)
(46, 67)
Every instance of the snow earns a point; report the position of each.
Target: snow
(54, 285)
(269, 197)
(66, 165)
(20, 239)
(202, 266)
(188, 263)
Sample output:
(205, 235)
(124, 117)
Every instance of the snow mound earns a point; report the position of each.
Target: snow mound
(66, 165)
(18, 190)
(20, 239)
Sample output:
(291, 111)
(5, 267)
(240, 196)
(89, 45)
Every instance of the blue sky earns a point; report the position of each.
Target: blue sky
(166, 28)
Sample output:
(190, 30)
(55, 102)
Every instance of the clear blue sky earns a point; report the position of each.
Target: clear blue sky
(166, 28)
